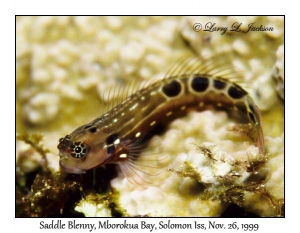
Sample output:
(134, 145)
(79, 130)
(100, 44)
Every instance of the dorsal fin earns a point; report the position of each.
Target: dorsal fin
(216, 66)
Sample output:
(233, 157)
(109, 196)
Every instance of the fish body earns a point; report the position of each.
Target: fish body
(119, 135)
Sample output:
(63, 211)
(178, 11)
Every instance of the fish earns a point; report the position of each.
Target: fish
(119, 135)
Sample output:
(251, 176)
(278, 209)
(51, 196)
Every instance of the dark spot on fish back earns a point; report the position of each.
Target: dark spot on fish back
(219, 84)
(200, 84)
(172, 89)
(236, 92)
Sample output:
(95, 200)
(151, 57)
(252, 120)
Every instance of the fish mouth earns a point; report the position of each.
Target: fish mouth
(70, 169)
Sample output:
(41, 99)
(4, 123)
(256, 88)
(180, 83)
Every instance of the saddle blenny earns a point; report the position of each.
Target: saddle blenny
(120, 134)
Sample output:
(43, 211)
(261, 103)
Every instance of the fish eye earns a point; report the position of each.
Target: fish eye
(79, 150)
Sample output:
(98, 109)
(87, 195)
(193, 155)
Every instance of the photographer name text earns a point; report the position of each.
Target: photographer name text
(235, 27)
